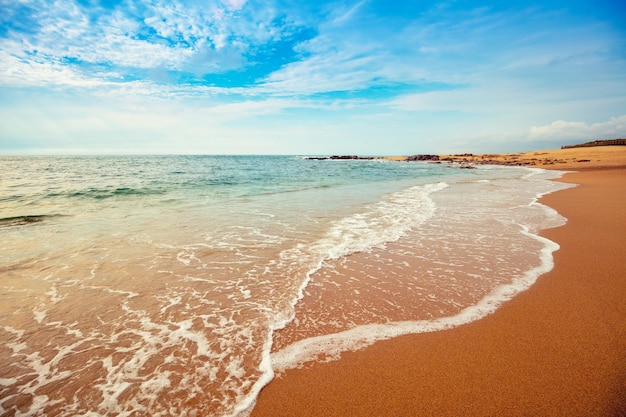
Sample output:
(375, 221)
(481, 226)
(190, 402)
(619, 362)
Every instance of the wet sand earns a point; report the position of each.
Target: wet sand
(558, 348)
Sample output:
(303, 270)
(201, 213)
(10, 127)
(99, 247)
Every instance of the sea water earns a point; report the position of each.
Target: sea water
(179, 285)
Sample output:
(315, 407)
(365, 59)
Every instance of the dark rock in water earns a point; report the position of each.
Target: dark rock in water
(423, 158)
(351, 157)
(22, 220)
(341, 157)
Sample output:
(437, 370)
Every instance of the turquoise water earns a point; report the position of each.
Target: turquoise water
(191, 177)
(178, 285)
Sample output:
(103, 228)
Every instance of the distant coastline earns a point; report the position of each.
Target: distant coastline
(608, 142)
(599, 153)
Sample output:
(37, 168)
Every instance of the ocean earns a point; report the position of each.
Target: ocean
(181, 285)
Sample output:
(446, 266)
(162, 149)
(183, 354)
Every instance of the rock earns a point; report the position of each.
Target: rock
(422, 158)
(340, 157)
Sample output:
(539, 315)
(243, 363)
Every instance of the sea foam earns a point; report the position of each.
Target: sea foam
(527, 219)
(160, 285)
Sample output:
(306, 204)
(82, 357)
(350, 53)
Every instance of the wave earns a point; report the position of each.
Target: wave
(103, 193)
(25, 220)
(383, 222)
(329, 347)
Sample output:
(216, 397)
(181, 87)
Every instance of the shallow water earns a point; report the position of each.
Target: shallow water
(158, 285)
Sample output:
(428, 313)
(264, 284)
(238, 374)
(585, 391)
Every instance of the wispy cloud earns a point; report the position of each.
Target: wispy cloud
(233, 44)
(191, 37)
(436, 70)
(348, 54)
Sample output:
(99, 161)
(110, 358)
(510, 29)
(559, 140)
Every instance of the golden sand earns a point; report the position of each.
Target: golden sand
(565, 159)
(557, 349)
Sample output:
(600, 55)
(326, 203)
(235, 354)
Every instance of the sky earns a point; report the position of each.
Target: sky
(369, 77)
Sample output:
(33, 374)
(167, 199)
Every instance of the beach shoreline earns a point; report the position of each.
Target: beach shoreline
(574, 158)
(559, 347)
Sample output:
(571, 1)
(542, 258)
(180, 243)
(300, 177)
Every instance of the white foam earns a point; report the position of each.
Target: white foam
(198, 307)
(39, 315)
(379, 223)
(375, 225)
(7, 381)
(244, 407)
(329, 347)
(54, 295)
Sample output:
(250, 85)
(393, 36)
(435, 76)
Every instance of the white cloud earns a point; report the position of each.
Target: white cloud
(613, 128)
(198, 37)
(68, 32)
(456, 100)
(508, 75)
(345, 56)
(338, 71)
(17, 70)
(243, 109)
(234, 4)
(341, 14)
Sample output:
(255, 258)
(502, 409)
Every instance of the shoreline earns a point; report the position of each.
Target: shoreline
(568, 158)
(559, 346)
(583, 158)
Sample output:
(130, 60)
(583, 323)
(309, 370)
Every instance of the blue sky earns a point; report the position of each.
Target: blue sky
(374, 77)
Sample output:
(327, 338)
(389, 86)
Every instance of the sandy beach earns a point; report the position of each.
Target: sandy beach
(563, 159)
(558, 348)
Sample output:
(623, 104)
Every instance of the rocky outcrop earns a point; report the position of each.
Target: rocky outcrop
(340, 157)
(422, 158)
